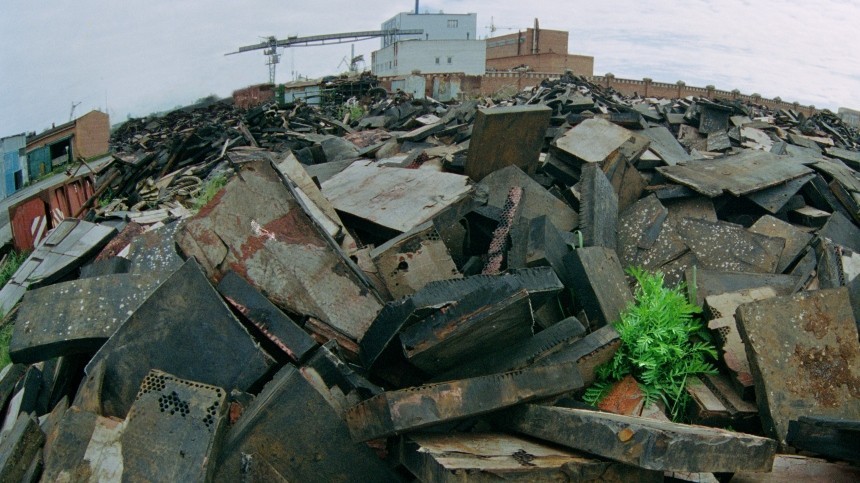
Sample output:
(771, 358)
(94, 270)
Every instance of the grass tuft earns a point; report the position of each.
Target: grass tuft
(662, 344)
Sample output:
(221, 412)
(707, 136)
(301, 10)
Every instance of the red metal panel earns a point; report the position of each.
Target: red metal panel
(78, 192)
(58, 203)
(29, 222)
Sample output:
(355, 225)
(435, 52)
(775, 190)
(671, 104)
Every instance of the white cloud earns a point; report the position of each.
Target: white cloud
(146, 56)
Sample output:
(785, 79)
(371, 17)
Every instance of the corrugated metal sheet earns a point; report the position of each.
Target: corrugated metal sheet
(39, 162)
(29, 222)
(32, 217)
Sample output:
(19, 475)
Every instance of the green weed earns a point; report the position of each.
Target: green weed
(210, 188)
(662, 344)
(5, 337)
(10, 266)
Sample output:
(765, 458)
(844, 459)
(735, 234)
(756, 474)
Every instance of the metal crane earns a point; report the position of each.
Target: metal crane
(271, 44)
(493, 27)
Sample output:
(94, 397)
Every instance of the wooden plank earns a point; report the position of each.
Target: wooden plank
(739, 174)
(643, 442)
(479, 457)
(817, 372)
(406, 410)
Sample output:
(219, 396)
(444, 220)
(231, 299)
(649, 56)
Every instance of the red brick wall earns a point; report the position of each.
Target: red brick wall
(253, 95)
(92, 131)
(554, 41)
(545, 62)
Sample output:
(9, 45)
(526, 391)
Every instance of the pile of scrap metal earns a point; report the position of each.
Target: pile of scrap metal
(425, 292)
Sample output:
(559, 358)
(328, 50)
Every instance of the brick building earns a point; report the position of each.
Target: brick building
(536, 50)
(85, 137)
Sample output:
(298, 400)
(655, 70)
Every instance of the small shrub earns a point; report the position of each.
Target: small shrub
(662, 344)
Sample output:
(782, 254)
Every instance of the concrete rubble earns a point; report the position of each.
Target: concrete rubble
(423, 293)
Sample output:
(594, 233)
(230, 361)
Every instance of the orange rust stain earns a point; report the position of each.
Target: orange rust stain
(625, 435)
(825, 371)
(819, 320)
(208, 207)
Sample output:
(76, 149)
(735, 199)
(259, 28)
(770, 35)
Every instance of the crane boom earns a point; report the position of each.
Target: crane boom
(323, 39)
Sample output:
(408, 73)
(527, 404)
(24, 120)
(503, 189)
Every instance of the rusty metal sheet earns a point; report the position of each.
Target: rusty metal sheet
(406, 410)
(739, 174)
(263, 315)
(256, 227)
(410, 261)
(506, 136)
(77, 316)
(291, 430)
(173, 430)
(804, 357)
(395, 198)
(489, 318)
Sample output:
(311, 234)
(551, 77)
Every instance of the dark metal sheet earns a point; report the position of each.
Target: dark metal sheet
(739, 174)
(78, 316)
(183, 328)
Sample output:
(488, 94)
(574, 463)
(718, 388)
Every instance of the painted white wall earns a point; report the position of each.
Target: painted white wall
(431, 57)
(437, 26)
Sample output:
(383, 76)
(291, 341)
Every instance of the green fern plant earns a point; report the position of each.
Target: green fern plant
(662, 344)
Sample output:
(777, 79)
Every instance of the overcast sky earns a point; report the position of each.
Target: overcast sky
(137, 57)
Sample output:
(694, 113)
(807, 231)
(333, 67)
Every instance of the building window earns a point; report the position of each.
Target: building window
(449, 60)
(437, 60)
(452, 24)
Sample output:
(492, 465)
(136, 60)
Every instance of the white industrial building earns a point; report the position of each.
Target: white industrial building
(448, 45)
